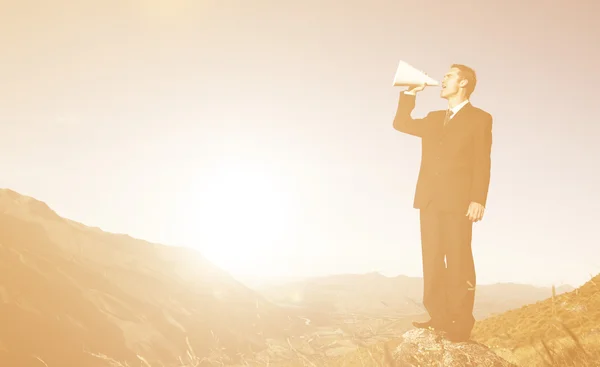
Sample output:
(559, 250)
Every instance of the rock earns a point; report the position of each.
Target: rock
(423, 348)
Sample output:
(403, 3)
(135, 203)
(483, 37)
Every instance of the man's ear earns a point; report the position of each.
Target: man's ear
(463, 83)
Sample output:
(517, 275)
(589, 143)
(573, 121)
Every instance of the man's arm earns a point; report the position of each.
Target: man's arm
(482, 150)
(403, 121)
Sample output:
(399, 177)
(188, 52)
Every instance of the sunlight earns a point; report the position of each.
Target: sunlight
(238, 216)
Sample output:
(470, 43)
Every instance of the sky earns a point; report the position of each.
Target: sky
(260, 132)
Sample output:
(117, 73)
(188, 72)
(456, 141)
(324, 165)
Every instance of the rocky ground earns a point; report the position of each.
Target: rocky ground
(347, 334)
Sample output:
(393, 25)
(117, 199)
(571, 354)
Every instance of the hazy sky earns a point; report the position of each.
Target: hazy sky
(260, 132)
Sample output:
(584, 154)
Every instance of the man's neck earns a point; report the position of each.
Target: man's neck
(456, 100)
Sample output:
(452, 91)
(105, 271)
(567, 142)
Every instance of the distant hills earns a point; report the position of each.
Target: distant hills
(72, 295)
(377, 294)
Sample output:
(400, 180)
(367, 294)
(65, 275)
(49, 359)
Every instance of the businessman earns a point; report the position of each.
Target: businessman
(451, 195)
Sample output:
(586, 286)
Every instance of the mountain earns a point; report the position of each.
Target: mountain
(577, 310)
(75, 295)
(562, 330)
(376, 294)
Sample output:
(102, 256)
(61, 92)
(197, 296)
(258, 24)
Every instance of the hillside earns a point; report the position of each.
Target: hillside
(70, 294)
(378, 295)
(561, 331)
(575, 313)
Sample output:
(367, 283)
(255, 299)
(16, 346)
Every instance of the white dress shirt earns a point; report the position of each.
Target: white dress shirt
(457, 108)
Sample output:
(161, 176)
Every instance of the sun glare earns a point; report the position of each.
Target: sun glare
(238, 216)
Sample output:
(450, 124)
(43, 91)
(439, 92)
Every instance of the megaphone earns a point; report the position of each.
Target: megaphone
(409, 76)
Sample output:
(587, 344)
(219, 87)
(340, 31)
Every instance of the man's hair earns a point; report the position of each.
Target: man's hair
(467, 73)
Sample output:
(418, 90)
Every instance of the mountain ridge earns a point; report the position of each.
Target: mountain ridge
(69, 292)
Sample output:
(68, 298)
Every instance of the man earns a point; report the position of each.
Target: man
(451, 195)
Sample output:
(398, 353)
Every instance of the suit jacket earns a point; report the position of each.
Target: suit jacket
(455, 159)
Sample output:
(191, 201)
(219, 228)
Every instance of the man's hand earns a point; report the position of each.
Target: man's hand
(413, 90)
(475, 212)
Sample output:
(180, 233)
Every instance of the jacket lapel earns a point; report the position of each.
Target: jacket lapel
(457, 120)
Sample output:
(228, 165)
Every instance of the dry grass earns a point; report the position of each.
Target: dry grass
(568, 351)
(563, 331)
(560, 331)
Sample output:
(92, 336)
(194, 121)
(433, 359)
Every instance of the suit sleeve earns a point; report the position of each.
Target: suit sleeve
(403, 121)
(482, 150)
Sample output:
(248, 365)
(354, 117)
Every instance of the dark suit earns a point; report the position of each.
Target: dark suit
(455, 171)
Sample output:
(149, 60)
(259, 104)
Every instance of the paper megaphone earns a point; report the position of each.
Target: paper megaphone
(407, 75)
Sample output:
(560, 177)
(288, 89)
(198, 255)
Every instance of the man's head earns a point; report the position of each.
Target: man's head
(459, 80)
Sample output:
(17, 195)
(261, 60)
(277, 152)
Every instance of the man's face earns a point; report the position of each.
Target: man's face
(451, 83)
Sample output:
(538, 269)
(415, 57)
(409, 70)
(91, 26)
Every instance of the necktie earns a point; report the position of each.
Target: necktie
(448, 116)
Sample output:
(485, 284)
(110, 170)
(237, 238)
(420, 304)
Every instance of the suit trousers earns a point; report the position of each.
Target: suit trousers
(448, 268)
